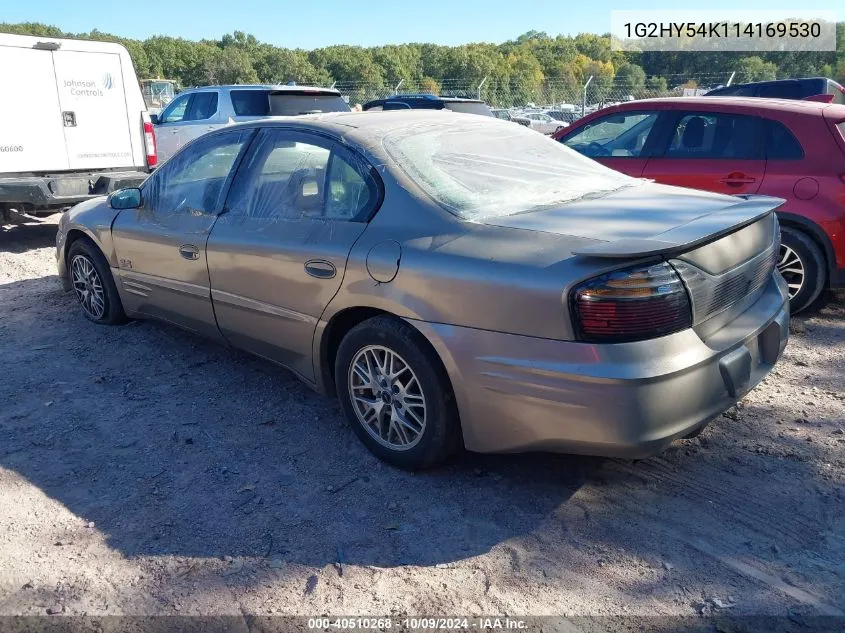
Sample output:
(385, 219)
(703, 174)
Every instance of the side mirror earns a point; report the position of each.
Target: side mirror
(154, 119)
(125, 199)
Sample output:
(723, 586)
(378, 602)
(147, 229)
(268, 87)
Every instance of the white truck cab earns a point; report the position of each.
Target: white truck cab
(199, 110)
(73, 124)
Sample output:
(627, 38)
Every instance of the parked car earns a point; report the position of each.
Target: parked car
(812, 88)
(456, 280)
(543, 123)
(74, 124)
(429, 102)
(789, 149)
(507, 115)
(567, 116)
(197, 111)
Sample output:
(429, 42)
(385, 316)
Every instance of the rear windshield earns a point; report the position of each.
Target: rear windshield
(251, 102)
(287, 104)
(483, 167)
(468, 107)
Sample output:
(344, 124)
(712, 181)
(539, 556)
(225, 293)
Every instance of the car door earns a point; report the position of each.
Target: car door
(201, 117)
(714, 151)
(278, 254)
(620, 140)
(160, 246)
(169, 126)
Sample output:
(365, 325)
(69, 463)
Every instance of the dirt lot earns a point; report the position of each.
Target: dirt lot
(143, 470)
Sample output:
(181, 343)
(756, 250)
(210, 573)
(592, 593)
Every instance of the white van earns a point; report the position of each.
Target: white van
(73, 124)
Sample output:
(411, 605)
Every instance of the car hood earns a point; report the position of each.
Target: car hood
(645, 220)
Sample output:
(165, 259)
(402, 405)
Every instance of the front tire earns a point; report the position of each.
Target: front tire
(803, 266)
(395, 393)
(93, 284)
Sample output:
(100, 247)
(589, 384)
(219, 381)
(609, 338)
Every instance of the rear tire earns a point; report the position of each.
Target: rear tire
(396, 395)
(93, 284)
(803, 266)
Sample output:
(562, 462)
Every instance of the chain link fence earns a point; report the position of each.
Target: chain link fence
(550, 95)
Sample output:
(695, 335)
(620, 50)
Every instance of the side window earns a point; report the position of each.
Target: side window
(250, 102)
(175, 112)
(352, 191)
(786, 90)
(192, 181)
(396, 105)
(733, 91)
(714, 135)
(202, 106)
(781, 144)
(620, 135)
(292, 176)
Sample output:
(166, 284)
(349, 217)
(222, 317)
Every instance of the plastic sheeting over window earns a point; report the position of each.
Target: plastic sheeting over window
(287, 179)
(483, 167)
(191, 183)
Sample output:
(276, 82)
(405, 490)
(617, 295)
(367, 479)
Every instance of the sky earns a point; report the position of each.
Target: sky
(316, 23)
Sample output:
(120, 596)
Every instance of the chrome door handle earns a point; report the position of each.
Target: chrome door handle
(320, 268)
(189, 251)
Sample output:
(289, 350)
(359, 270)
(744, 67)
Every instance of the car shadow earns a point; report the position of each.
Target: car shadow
(19, 237)
(172, 445)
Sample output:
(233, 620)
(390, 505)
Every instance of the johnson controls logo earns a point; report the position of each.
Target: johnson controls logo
(86, 88)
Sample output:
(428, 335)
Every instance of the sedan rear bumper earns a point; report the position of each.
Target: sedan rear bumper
(518, 393)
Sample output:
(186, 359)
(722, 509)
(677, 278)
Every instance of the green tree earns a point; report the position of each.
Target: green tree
(754, 69)
(630, 78)
(229, 65)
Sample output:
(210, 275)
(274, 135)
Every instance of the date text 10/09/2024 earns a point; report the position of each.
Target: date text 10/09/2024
(419, 624)
(718, 30)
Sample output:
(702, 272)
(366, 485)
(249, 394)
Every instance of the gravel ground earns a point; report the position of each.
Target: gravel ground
(147, 471)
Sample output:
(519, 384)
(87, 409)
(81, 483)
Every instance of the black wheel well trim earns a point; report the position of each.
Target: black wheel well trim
(814, 232)
(339, 325)
(74, 235)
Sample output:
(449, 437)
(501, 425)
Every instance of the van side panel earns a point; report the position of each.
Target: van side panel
(91, 95)
(31, 133)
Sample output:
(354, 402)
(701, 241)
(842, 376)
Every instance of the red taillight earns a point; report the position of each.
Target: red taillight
(150, 144)
(631, 305)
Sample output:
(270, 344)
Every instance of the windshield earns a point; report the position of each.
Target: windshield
(469, 107)
(481, 168)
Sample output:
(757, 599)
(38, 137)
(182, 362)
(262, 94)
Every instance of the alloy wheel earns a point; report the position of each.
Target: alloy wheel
(88, 287)
(792, 269)
(387, 397)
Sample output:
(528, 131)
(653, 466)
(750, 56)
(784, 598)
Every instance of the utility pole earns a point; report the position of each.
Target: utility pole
(483, 81)
(584, 99)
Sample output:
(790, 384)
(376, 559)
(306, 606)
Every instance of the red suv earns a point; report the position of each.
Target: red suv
(790, 149)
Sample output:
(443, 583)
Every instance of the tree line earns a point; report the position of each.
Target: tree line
(529, 61)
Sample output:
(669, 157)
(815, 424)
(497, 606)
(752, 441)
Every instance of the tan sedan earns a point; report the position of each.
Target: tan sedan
(458, 281)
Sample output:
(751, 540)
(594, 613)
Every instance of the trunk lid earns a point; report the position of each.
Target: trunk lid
(650, 220)
(724, 248)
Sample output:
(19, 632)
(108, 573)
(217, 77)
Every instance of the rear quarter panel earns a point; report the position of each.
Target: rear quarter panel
(812, 186)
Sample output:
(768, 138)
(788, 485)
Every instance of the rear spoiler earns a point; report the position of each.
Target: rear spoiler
(702, 230)
(821, 98)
